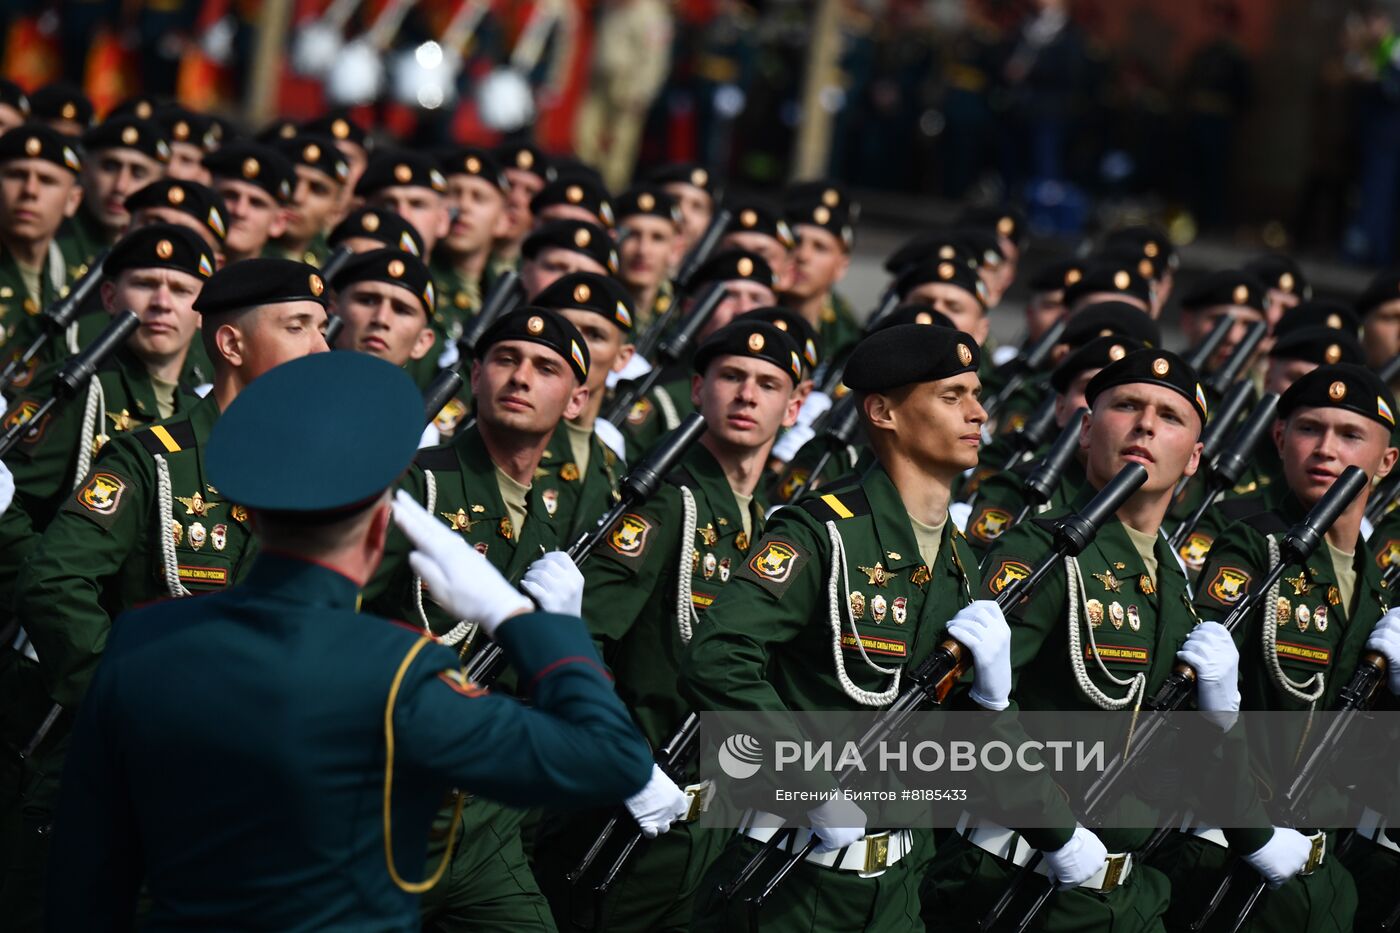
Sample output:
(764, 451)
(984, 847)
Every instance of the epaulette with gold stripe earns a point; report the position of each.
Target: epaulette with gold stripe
(168, 438)
(438, 459)
(836, 505)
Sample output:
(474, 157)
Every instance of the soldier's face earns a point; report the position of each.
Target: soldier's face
(383, 320)
(961, 307)
(553, 263)
(697, 208)
(648, 251)
(525, 388)
(35, 196)
(1283, 373)
(9, 118)
(109, 176)
(523, 186)
(745, 401)
(742, 296)
(608, 350)
(315, 204)
(481, 214)
(937, 425)
(424, 208)
(254, 217)
(819, 262)
(1042, 311)
(164, 301)
(272, 335)
(1380, 334)
(186, 163)
(1141, 423)
(778, 257)
(1317, 444)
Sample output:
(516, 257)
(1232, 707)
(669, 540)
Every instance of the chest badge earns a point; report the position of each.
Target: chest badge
(1228, 584)
(741, 541)
(1334, 596)
(121, 420)
(1110, 583)
(1282, 612)
(709, 535)
(1094, 610)
(238, 513)
(1300, 584)
(198, 535)
(569, 472)
(1304, 616)
(899, 609)
(1134, 620)
(857, 605)
(550, 498)
(1116, 614)
(878, 608)
(1146, 586)
(218, 536)
(724, 567)
(1320, 618)
(196, 504)
(921, 575)
(711, 564)
(505, 529)
(459, 520)
(877, 575)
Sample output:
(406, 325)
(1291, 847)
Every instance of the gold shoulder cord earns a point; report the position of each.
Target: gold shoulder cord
(411, 887)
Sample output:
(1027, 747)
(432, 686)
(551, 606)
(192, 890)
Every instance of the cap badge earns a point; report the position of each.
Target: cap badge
(312, 153)
(1333, 353)
(395, 268)
(1150, 249)
(946, 270)
(33, 146)
(473, 165)
(756, 342)
(69, 111)
(165, 249)
(1006, 226)
(1383, 410)
(1334, 321)
(370, 222)
(582, 292)
(964, 355)
(1160, 366)
(1337, 391)
(744, 266)
(1116, 352)
(946, 252)
(748, 218)
(1285, 281)
(1241, 294)
(524, 158)
(699, 177)
(535, 325)
(645, 201)
(131, 136)
(1121, 280)
(831, 197)
(181, 130)
(403, 173)
(175, 195)
(573, 194)
(1073, 275)
(923, 317)
(317, 286)
(340, 129)
(582, 237)
(251, 168)
(821, 214)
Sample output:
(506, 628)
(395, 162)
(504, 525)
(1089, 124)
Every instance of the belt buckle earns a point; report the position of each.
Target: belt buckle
(699, 796)
(1113, 873)
(1317, 855)
(877, 852)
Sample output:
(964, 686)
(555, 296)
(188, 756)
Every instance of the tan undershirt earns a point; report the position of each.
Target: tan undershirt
(745, 513)
(1343, 565)
(929, 537)
(580, 443)
(1146, 546)
(165, 396)
(31, 278)
(513, 495)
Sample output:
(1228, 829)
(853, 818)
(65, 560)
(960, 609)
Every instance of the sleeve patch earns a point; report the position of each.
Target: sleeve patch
(774, 565)
(24, 412)
(990, 523)
(458, 682)
(1007, 573)
(1195, 550)
(1228, 585)
(641, 411)
(100, 498)
(1389, 554)
(630, 535)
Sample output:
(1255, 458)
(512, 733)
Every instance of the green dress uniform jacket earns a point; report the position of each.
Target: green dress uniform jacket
(339, 734)
(660, 410)
(19, 310)
(767, 644)
(82, 237)
(1001, 497)
(578, 496)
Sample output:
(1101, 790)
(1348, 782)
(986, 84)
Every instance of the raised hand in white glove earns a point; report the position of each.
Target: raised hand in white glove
(1281, 857)
(1385, 639)
(459, 579)
(981, 629)
(658, 805)
(1212, 654)
(1076, 861)
(555, 583)
(837, 823)
(7, 488)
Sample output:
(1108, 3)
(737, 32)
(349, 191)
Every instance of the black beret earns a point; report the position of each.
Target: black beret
(131, 132)
(948, 271)
(685, 173)
(284, 445)
(1226, 287)
(1319, 313)
(376, 223)
(1319, 345)
(12, 95)
(1103, 318)
(189, 197)
(1096, 354)
(1155, 367)
(278, 130)
(733, 265)
(930, 244)
(822, 204)
(338, 125)
(648, 200)
(183, 125)
(251, 283)
(37, 141)
(543, 326)
(1143, 240)
(60, 101)
(1008, 222)
(910, 353)
(390, 168)
(752, 215)
(473, 160)
(256, 164)
(1277, 270)
(1057, 276)
(526, 158)
(316, 152)
(589, 291)
(916, 312)
(1382, 289)
(570, 166)
(1110, 276)
(578, 236)
(984, 245)
(161, 246)
(750, 337)
(142, 106)
(391, 266)
(575, 191)
(1341, 385)
(795, 326)
(1151, 268)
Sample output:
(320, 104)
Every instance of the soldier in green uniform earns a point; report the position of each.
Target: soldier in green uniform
(650, 247)
(352, 140)
(758, 227)
(649, 588)
(1302, 645)
(61, 106)
(949, 283)
(320, 173)
(385, 298)
(411, 185)
(377, 709)
(121, 154)
(822, 218)
(574, 194)
(528, 170)
(1008, 225)
(186, 203)
(1046, 303)
(147, 523)
(476, 192)
(694, 189)
(1152, 243)
(255, 182)
(767, 642)
(192, 136)
(373, 227)
(559, 247)
(1108, 279)
(1217, 294)
(1123, 625)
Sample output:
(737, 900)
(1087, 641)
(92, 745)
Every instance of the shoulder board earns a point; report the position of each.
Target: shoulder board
(438, 459)
(1266, 523)
(167, 438)
(1242, 507)
(681, 476)
(836, 505)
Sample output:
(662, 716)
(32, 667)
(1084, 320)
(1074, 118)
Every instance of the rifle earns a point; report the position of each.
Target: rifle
(1040, 483)
(1297, 546)
(838, 432)
(446, 384)
(57, 317)
(1028, 437)
(1225, 472)
(934, 678)
(1203, 351)
(1226, 413)
(74, 375)
(636, 487)
(672, 351)
(699, 252)
(1223, 377)
(1033, 357)
(1390, 372)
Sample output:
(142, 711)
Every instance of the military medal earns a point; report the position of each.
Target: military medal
(1094, 609)
(1299, 583)
(1134, 620)
(857, 605)
(238, 513)
(741, 541)
(481, 547)
(195, 504)
(1320, 618)
(550, 498)
(505, 529)
(121, 421)
(458, 521)
(920, 576)
(1110, 583)
(899, 609)
(197, 535)
(1334, 596)
(709, 535)
(1145, 585)
(694, 562)
(1283, 612)
(724, 571)
(710, 563)
(877, 575)
(878, 606)
(568, 472)
(1115, 614)
(219, 537)
(177, 532)
(1304, 617)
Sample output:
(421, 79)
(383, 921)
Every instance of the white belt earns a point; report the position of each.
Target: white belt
(869, 857)
(1372, 826)
(1007, 844)
(699, 794)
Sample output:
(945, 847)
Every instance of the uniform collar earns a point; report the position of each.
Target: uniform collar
(302, 580)
(895, 533)
(701, 467)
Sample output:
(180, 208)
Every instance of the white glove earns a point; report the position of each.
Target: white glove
(1076, 861)
(1385, 638)
(1212, 654)
(837, 823)
(813, 407)
(658, 805)
(7, 488)
(1281, 857)
(981, 629)
(792, 441)
(556, 584)
(459, 578)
